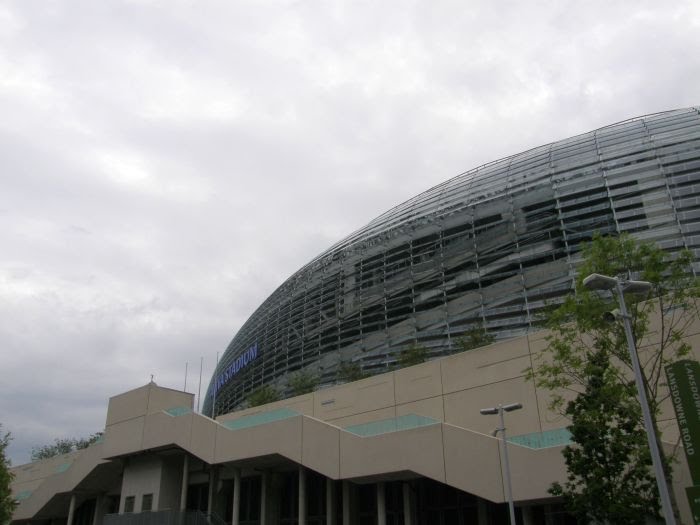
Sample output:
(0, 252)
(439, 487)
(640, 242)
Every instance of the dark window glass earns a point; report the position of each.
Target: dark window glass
(147, 502)
(129, 503)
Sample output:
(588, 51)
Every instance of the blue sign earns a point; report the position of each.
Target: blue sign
(235, 367)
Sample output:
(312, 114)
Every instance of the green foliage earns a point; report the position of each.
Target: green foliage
(579, 333)
(413, 355)
(262, 396)
(7, 502)
(63, 446)
(475, 337)
(609, 477)
(303, 383)
(349, 371)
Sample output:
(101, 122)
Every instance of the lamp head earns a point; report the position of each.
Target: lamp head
(612, 316)
(488, 411)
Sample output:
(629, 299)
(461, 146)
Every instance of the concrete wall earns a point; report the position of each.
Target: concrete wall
(142, 475)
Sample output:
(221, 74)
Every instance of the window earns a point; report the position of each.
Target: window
(147, 502)
(129, 503)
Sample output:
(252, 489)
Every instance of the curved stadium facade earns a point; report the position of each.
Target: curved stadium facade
(486, 250)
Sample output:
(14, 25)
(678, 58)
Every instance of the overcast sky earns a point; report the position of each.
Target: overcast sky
(164, 166)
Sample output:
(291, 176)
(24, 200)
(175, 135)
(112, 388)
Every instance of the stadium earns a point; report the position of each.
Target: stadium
(468, 265)
(484, 251)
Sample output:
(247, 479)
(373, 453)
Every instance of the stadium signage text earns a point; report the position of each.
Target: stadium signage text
(235, 367)
(684, 385)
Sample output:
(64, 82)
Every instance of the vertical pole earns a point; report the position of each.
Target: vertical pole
(263, 498)
(330, 502)
(483, 512)
(235, 515)
(302, 495)
(346, 503)
(71, 510)
(648, 424)
(199, 388)
(509, 495)
(381, 503)
(98, 509)
(213, 478)
(407, 504)
(185, 387)
(185, 482)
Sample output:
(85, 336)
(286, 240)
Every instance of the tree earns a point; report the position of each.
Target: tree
(413, 355)
(475, 337)
(263, 395)
(610, 457)
(349, 371)
(303, 383)
(7, 502)
(579, 332)
(63, 446)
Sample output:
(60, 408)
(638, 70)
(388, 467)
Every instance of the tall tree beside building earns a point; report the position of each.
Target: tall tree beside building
(580, 334)
(7, 502)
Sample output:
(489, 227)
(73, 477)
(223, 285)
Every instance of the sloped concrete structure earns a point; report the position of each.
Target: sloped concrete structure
(378, 450)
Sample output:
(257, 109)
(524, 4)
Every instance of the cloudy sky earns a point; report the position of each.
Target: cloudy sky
(165, 165)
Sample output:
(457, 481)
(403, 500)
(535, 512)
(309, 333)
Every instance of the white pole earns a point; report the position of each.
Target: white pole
(648, 425)
(509, 488)
(199, 388)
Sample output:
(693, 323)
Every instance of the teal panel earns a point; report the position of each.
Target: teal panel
(550, 438)
(260, 419)
(62, 468)
(23, 495)
(394, 424)
(179, 411)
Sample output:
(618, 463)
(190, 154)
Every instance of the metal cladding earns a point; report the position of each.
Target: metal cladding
(487, 249)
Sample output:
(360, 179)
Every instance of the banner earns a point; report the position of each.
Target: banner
(684, 385)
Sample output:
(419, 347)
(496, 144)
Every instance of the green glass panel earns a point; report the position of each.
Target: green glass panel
(394, 424)
(260, 419)
(23, 495)
(550, 438)
(62, 467)
(178, 411)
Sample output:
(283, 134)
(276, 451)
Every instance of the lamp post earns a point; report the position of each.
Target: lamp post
(502, 429)
(596, 281)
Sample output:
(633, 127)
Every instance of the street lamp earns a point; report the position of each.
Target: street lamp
(596, 281)
(502, 429)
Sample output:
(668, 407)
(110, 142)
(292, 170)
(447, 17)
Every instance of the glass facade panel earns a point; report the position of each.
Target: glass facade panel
(491, 247)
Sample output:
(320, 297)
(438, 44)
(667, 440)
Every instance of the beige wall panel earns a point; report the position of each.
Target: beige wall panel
(142, 475)
(485, 365)
(432, 407)
(462, 408)
(321, 447)
(301, 404)
(537, 340)
(549, 419)
(367, 394)
(164, 398)
(123, 438)
(418, 382)
(127, 405)
(203, 437)
(366, 417)
(472, 463)
(533, 471)
(279, 437)
(84, 461)
(163, 429)
(418, 450)
(171, 483)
